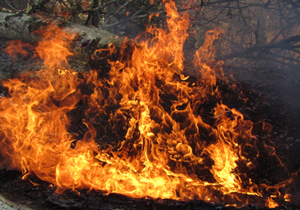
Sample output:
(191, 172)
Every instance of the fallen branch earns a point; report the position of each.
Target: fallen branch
(19, 26)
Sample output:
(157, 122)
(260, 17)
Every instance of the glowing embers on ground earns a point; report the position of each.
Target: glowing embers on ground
(165, 142)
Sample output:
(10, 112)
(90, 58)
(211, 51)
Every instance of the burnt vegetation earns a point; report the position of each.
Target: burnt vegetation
(260, 49)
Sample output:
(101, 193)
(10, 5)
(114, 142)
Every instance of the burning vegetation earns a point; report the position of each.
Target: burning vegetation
(147, 129)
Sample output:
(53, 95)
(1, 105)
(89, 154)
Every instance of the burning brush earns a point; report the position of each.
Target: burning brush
(164, 147)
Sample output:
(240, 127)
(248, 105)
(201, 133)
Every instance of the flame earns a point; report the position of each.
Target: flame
(16, 47)
(54, 46)
(149, 105)
(271, 203)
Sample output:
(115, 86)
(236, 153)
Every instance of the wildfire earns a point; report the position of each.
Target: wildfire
(165, 142)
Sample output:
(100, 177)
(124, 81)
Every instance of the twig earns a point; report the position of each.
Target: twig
(10, 6)
(117, 11)
(101, 6)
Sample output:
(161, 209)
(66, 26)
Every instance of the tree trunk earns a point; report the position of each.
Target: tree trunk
(21, 27)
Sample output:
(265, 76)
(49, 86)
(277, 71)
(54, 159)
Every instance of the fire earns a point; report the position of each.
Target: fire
(271, 203)
(16, 47)
(148, 102)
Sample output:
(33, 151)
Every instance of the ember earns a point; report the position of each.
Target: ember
(164, 147)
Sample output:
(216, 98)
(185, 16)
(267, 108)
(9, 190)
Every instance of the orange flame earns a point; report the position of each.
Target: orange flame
(54, 46)
(16, 47)
(271, 203)
(166, 144)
